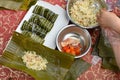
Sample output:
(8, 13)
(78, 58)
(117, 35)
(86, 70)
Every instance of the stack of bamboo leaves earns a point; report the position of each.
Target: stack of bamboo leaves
(17, 4)
(107, 55)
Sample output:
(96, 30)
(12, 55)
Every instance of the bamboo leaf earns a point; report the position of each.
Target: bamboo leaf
(108, 65)
(103, 49)
(10, 4)
(17, 4)
(77, 68)
(57, 62)
(65, 59)
(27, 4)
(108, 61)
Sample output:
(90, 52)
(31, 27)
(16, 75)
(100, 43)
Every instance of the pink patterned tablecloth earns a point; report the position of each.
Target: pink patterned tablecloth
(9, 21)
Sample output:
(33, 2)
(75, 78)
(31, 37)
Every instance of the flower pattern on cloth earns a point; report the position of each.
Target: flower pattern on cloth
(9, 21)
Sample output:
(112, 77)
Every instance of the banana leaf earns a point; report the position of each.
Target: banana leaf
(58, 63)
(17, 4)
(17, 0)
(27, 4)
(1, 8)
(106, 63)
(104, 51)
(42, 22)
(107, 55)
(77, 68)
(48, 14)
(10, 4)
(113, 61)
(33, 36)
(61, 66)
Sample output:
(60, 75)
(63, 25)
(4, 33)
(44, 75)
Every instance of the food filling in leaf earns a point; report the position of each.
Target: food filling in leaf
(34, 61)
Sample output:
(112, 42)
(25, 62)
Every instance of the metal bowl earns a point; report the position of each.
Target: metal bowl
(77, 32)
(96, 5)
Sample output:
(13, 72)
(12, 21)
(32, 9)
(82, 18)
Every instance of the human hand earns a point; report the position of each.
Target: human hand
(116, 10)
(106, 18)
(114, 39)
(112, 36)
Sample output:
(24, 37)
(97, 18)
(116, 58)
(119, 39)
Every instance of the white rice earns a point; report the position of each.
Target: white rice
(33, 61)
(83, 12)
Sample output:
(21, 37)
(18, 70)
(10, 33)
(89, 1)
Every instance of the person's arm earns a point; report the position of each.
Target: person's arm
(109, 19)
(116, 49)
(116, 25)
(114, 40)
(110, 23)
(116, 11)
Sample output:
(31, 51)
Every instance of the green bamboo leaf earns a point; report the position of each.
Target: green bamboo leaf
(27, 4)
(113, 61)
(58, 62)
(42, 22)
(18, 0)
(77, 68)
(10, 4)
(66, 59)
(103, 49)
(17, 4)
(108, 61)
(108, 65)
(45, 12)
(38, 75)
(33, 36)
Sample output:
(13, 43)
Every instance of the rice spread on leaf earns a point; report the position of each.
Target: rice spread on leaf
(34, 61)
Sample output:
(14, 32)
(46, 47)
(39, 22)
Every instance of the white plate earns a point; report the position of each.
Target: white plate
(60, 22)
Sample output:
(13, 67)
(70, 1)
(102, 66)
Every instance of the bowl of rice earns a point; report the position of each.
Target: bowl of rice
(83, 12)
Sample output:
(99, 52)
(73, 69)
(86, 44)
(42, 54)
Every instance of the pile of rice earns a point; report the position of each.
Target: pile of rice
(33, 61)
(83, 12)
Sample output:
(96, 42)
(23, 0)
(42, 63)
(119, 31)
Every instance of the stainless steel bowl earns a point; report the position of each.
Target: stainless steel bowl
(97, 6)
(77, 32)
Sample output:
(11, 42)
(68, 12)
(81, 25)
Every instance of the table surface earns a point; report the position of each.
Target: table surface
(9, 21)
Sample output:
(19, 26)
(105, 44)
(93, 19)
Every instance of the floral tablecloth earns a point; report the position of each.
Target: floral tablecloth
(9, 21)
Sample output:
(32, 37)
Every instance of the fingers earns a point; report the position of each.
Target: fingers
(116, 10)
(100, 13)
(104, 9)
(99, 17)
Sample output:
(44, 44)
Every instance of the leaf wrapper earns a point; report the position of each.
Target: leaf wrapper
(58, 63)
(77, 68)
(10, 4)
(17, 4)
(107, 55)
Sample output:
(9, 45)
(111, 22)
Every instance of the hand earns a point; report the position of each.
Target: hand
(114, 40)
(116, 11)
(113, 36)
(107, 19)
